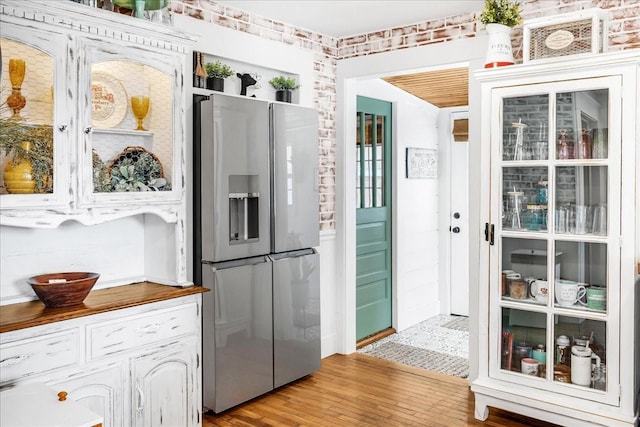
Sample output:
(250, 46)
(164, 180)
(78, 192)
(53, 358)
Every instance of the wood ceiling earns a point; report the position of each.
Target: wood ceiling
(442, 88)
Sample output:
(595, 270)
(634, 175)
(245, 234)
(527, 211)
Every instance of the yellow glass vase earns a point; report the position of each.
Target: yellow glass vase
(18, 176)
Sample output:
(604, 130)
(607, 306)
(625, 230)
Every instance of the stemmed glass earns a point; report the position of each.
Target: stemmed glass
(16, 101)
(140, 108)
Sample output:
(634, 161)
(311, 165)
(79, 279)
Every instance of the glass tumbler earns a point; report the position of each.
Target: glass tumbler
(600, 220)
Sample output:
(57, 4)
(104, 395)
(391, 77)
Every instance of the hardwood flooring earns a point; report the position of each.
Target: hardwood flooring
(360, 390)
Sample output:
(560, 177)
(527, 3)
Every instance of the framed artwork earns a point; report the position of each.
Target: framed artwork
(422, 163)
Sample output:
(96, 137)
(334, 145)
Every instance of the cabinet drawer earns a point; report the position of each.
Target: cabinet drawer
(33, 356)
(137, 331)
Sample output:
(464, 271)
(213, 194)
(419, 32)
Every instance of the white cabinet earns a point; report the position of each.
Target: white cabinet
(151, 375)
(77, 77)
(80, 88)
(165, 390)
(99, 389)
(558, 310)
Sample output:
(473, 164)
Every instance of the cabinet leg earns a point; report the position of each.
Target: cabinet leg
(481, 411)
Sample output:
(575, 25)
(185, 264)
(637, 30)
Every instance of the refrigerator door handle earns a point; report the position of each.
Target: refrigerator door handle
(292, 254)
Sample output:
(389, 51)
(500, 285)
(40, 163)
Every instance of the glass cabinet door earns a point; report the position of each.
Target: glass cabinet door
(554, 267)
(30, 171)
(130, 128)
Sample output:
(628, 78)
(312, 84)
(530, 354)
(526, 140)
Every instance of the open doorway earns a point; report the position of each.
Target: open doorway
(350, 71)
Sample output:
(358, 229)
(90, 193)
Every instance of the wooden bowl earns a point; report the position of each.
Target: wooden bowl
(63, 289)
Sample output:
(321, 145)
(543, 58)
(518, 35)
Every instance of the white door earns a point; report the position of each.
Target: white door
(459, 224)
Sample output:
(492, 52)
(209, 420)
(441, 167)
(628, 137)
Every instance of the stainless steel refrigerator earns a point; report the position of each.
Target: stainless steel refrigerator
(256, 224)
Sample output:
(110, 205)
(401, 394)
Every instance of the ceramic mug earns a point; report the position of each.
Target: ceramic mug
(529, 366)
(540, 290)
(597, 298)
(569, 292)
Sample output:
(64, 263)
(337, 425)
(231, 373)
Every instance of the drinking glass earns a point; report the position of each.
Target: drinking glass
(600, 220)
(140, 108)
(581, 219)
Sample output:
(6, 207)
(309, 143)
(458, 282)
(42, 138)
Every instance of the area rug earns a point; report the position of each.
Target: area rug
(439, 344)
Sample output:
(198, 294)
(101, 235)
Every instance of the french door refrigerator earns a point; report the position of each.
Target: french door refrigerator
(256, 224)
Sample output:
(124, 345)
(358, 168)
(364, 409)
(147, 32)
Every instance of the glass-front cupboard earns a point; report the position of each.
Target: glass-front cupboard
(558, 296)
(93, 146)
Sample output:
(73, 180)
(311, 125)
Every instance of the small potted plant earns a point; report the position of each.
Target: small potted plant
(283, 86)
(30, 149)
(499, 16)
(216, 73)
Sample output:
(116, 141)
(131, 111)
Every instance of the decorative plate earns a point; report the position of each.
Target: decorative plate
(109, 103)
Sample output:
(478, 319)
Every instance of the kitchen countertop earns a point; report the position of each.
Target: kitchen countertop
(34, 313)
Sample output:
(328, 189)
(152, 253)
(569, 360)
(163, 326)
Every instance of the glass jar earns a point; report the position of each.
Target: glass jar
(563, 350)
(535, 217)
(542, 191)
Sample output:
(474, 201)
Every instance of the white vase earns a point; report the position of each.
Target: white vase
(499, 51)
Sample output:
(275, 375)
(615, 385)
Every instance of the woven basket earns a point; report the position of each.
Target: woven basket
(133, 152)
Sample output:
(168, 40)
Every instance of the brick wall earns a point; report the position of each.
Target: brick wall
(624, 33)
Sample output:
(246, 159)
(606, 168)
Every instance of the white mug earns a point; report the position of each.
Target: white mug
(529, 366)
(540, 290)
(569, 292)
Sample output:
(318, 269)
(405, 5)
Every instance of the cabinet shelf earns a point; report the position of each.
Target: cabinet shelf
(114, 131)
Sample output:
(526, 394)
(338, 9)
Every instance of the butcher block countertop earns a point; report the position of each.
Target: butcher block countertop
(34, 313)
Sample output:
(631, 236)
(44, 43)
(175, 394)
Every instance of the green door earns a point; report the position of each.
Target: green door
(373, 217)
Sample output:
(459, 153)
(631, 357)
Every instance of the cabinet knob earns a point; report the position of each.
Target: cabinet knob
(62, 396)
(62, 128)
(88, 130)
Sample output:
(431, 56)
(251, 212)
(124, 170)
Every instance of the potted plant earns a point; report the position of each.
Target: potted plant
(283, 86)
(30, 152)
(216, 73)
(499, 16)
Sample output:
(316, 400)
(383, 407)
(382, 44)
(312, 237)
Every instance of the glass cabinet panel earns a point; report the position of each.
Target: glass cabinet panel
(132, 134)
(525, 198)
(582, 124)
(26, 117)
(581, 200)
(554, 236)
(523, 344)
(525, 127)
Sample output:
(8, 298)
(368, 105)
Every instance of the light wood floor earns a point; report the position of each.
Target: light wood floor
(360, 390)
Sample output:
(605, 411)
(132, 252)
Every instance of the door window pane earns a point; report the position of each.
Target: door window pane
(26, 119)
(582, 124)
(524, 332)
(581, 200)
(370, 173)
(585, 365)
(525, 128)
(525, 198)
(132, 118)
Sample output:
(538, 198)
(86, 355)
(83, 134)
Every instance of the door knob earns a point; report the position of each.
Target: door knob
(456, 215)
(456, 229)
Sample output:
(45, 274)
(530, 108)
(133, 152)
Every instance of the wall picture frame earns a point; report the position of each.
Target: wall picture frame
(422, 163)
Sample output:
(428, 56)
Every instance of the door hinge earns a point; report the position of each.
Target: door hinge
(488, 233)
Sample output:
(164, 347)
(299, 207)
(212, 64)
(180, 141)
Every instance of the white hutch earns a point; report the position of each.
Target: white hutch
(74, 73)
(560, 155)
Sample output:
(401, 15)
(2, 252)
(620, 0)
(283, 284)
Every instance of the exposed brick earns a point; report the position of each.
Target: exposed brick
(624, 33)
